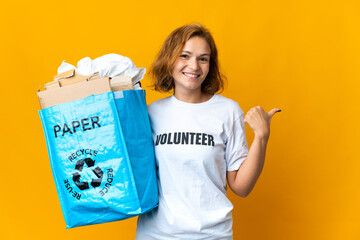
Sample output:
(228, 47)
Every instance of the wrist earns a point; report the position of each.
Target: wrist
(262, 137)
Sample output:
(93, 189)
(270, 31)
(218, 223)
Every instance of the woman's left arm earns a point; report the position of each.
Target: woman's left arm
(242, 181)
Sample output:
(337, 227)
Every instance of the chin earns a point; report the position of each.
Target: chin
(193, 87)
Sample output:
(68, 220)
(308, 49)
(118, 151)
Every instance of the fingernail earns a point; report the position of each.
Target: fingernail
(278, 110)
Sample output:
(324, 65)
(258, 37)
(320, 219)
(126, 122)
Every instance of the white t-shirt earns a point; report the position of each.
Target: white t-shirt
(195, 145)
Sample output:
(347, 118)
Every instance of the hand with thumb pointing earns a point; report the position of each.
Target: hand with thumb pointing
(259, 120)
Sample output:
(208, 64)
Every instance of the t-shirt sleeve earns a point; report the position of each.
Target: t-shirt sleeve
(236, 145)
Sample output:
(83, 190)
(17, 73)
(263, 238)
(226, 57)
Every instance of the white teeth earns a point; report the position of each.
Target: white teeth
(191, 75)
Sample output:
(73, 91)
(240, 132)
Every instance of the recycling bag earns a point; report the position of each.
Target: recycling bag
(134, 119)
(102, 157)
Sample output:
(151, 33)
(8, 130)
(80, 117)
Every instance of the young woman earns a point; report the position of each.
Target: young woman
(199, 141)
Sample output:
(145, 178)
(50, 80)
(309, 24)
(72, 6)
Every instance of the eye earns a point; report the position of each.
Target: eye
(184, 56)
(204, 59)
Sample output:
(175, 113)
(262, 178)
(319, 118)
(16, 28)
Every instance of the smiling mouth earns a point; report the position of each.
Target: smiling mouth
(191, 75)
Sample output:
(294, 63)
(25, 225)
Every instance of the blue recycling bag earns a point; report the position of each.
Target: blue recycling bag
(102, 157)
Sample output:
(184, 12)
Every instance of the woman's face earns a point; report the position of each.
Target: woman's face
(192, 66)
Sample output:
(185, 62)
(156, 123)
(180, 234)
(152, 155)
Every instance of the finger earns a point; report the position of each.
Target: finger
(245, 120)
(273, 111)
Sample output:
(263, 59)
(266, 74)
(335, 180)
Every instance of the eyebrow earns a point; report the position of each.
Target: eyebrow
(204, 54)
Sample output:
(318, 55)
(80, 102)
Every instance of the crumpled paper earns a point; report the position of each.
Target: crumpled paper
(110, 65)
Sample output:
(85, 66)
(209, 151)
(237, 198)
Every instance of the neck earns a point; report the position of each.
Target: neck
(192, 97)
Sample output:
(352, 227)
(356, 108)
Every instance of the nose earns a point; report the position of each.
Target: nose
(193, 64)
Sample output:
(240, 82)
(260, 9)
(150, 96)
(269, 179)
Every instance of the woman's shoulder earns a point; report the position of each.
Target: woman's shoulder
(229, 104)
(159, 103)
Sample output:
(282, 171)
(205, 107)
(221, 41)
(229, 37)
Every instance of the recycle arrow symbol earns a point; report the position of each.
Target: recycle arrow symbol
(79, 167)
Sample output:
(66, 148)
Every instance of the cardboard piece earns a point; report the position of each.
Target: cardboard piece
(120, 83)
(68, 78)
(53, 84)
(67, 74)
(75, 91)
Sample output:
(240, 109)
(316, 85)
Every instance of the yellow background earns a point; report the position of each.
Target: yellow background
(300, 56)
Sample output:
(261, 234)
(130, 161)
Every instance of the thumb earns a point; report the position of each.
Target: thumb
(273, 111)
